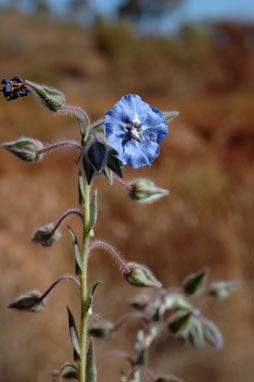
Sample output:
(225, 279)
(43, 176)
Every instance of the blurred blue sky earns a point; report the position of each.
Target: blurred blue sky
(193, 10)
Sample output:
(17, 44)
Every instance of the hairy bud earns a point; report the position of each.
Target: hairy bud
(51, 98)
(102, 329)
(144, 191)
(46, 236)
(25, 149)
(30, 302)
(141, 276)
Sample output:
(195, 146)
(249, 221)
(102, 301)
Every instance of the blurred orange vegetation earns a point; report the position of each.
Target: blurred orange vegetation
(206, 162)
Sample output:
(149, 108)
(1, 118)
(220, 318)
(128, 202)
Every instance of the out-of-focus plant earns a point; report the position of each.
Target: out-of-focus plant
(129, 134)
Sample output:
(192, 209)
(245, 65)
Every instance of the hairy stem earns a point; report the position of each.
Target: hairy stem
(58, 145)
(62, 278)
(80, 113)
(83, 281)
(111, 250)
(72, 211)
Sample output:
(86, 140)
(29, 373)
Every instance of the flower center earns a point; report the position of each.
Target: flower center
(133, 131)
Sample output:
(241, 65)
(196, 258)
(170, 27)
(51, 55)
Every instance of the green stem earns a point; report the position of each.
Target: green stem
(83, 282)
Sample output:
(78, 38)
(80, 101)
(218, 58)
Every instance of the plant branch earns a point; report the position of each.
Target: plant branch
(58, 145)
(62, 278)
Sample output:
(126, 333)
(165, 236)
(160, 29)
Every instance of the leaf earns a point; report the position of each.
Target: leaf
(91, 372)
(114, 163)
(97, 154)
(179, 322)
(73, 334)
(195, 282)
(89, 299)
(76, 250)
(212, 334)
(81, 188)
(93, 211)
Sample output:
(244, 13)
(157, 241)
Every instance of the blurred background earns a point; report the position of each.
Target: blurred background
(189, 55)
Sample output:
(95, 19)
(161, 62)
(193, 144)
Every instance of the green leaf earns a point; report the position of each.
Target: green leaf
(114, 163)
(76, 249)
(97, 154)
(91, 372)
(93, 211)
(73, 334)
(212, 334)
(179, 322)
(81, 188)
(89, 299)
(195, 282)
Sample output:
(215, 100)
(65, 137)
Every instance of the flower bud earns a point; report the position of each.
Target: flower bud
(144, 191)
(30, 302)
(25, 149)
(101, 329)
(223, 289)
(141, 276)
(46, 236)
(51, 98)
(139, 302)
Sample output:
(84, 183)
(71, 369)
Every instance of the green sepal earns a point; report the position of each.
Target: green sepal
(169, 115)
(81, 188)
(93, 211)
(97, 154)
(82, 127)
(179, 322)
(89, 169)
(76, 251)
(109, 175)
(91, 371)
(73, 335)
(195, 282)
(89, 299)
(114, 163)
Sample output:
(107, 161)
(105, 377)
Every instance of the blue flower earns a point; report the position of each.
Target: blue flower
(14, 88)
(135, 129)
